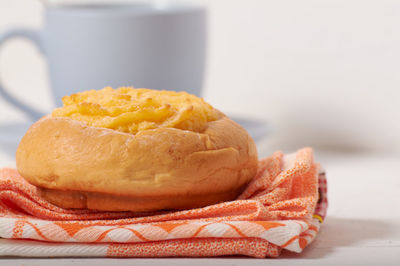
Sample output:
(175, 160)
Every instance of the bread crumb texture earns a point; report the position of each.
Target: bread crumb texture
(132, 110)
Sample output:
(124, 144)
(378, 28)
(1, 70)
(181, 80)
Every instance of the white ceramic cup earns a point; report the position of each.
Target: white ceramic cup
(141, 45)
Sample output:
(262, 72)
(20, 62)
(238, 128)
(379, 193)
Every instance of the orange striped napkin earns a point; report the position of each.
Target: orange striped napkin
(282, 208)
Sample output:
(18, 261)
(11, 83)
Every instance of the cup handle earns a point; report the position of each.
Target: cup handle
(36, 37)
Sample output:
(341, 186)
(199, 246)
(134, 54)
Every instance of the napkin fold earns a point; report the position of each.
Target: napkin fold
(281, 208)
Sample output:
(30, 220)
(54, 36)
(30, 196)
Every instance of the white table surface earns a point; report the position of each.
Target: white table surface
(362, 227)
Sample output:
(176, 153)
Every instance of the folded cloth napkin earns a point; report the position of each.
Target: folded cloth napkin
(282, 208)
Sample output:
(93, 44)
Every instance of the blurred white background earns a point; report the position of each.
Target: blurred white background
(323, 73)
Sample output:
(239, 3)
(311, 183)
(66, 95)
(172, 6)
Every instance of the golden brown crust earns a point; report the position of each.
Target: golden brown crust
(64, 154)
(108, 202)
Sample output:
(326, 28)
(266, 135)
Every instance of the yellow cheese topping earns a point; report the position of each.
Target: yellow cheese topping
(132, 110)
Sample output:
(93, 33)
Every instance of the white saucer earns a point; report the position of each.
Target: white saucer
(11, 133)
(258, 129)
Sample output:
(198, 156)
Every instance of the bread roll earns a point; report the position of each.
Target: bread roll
(77, 164)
